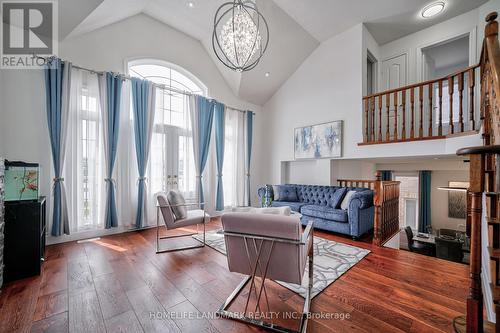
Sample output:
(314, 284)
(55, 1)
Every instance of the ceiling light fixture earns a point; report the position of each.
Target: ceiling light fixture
(240, 35)
(190, 4)
(267, 74)
(433, 9)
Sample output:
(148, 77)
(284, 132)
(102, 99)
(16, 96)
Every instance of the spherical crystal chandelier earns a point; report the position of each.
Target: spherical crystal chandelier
(240, 35)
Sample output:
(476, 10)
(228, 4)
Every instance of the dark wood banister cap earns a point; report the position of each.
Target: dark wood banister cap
(491, 17)
(479, 150)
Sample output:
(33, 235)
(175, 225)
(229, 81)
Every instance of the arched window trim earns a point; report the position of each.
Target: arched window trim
(154, 61)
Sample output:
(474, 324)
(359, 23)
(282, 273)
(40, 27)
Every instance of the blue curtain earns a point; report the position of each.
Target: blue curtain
(425, 201)
(111, 88)
(204, 121)
(249, 124)
(142, 96)
(220, 110)
(54, 85)
(386, 175)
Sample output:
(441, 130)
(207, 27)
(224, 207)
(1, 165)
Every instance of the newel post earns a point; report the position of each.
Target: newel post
(491, 29)
(475, 297)
(377, 202)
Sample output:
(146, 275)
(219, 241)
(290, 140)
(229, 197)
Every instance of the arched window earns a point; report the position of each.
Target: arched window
(171, 164)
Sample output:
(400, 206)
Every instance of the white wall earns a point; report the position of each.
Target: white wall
(23, 126)
(370, 44)
(326, 87)
(412, 44)
(329, 86)
(439, 205)
(23, 123)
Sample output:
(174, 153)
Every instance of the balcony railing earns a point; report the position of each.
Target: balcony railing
(433, 109)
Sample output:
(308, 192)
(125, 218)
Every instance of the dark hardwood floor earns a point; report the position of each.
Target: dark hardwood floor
(119, 284)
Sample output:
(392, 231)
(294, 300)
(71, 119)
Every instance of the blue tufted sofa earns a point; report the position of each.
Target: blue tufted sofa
(322, 205)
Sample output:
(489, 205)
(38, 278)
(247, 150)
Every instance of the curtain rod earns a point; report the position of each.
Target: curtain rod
(161, 86)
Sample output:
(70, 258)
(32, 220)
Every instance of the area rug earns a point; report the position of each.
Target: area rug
(331, 260)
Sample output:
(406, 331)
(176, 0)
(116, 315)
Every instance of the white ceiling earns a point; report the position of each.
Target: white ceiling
(387, 20)
(290, 43)
(296, 28)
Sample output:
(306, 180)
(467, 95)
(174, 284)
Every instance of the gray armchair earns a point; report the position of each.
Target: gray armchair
(270, 247)
(194, 217)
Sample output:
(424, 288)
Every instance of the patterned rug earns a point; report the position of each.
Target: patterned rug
(331, 260)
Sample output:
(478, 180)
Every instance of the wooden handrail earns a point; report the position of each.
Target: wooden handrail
(423, 83)
(386, 203)
(369, 184)
(479, 150)
(406, 112)
(484, 173)
(490, 67)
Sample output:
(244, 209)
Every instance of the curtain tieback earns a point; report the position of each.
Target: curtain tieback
(57, 180)
(141, 179)
(219, 175)
(110, 180)
(248, 174)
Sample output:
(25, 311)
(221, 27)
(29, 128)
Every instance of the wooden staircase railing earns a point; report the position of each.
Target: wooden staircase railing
(386, 202)
(485, 181)
(415, 112)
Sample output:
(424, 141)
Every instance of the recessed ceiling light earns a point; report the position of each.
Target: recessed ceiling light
(190, 4)
(267, 74)
(433, 9)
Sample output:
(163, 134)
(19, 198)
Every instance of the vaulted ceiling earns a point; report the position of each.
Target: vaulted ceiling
(296, 28)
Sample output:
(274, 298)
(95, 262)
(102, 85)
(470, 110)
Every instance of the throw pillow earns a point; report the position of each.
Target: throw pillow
(347, 199)
(337, 197)
(175, 199)
(287, 193)
(276, 193)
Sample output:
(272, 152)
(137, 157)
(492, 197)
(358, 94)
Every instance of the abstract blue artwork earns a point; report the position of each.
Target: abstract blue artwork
(318, 141)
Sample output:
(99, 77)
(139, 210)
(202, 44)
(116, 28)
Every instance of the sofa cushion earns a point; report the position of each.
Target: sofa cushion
(337, 197)
(285, 193)
(316, 195)
(176, 201)
(324, 212)
(295, 206)
(347, 199)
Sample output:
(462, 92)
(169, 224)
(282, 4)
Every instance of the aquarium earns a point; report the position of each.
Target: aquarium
(21, 181)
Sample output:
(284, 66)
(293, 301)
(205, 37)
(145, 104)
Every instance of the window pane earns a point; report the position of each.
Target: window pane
(408, 201)
(171, 118)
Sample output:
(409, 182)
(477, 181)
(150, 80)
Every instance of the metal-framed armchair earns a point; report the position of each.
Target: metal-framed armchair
(270, 247)
(194, 217)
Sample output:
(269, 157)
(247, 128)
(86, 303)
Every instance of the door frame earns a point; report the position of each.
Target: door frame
(420, 56)
(374, 72)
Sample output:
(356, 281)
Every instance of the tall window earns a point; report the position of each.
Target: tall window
(408, 200)
(171, 158)
(90, 161)
(84, 160)
(234, 159)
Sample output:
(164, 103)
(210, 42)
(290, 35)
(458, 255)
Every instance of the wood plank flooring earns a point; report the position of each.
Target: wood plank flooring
(119, 284)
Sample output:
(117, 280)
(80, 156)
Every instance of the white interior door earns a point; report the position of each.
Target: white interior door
(394, 72)
(394, 76)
